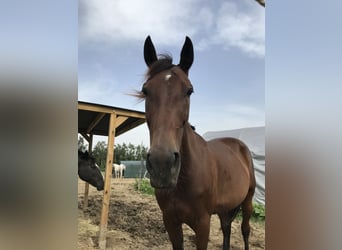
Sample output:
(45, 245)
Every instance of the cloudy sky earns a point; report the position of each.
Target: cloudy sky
(228, 69)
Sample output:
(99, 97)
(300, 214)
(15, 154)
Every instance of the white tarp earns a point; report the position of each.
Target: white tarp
(254, 138)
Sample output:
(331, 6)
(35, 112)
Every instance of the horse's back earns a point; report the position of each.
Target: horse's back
(232, 146)
(233, 170)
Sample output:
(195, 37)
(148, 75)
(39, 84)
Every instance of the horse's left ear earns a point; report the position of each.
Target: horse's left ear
(187, 55)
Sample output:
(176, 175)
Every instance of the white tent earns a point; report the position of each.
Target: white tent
(254, 138)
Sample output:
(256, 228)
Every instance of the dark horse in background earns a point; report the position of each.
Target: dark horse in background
(88, 171)
(193, 179)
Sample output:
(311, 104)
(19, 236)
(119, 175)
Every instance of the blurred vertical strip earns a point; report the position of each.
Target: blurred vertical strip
(303, 125)
(38, 124)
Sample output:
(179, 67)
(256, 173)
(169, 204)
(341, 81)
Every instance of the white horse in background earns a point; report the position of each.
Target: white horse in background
(118, 170)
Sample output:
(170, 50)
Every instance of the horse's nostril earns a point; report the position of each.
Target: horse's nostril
(176, 156)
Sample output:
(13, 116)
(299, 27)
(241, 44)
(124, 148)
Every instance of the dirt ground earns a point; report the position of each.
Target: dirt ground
(135, 222)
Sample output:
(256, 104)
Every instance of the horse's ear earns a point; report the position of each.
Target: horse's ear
(150, 54)
(187, 55)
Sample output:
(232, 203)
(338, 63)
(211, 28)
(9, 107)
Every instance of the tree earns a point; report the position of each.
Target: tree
(129, 152)
(122, 152)
(141, 152)
(100, 154)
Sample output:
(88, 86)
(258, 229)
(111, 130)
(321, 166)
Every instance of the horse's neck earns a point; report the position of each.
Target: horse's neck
(193, 147)
(193, 161)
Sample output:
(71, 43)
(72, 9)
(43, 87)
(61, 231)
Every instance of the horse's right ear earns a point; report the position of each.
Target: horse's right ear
(150, 54)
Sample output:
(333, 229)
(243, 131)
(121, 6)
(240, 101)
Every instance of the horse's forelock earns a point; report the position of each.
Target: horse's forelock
(164, 62)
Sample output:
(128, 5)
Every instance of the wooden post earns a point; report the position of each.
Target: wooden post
(86, 192)
(86, 184)
(108, 177)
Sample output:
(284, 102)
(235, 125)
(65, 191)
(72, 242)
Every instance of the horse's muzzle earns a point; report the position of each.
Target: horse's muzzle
(100, 187)
(163, 167)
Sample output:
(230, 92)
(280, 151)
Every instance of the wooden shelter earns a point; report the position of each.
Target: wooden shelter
(96, 119)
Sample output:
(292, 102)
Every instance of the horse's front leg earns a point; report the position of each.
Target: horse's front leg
(175, 231)
(202, 229)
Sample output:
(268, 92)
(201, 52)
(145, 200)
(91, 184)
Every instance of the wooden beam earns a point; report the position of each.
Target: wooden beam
(95, 122)
(127, 113)
(87, 137)
(131, 126)
(86, 193)
(109, 110)
(120, 120)
(93, 108)
(86, 187)
(108, 178)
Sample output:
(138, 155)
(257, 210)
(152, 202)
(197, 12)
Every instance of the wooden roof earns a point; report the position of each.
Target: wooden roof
(94, 119)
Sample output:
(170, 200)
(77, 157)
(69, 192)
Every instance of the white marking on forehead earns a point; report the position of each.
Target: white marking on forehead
(168, 76)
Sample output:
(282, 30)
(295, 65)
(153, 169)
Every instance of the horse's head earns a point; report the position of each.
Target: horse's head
(89, 171)
(167, 101)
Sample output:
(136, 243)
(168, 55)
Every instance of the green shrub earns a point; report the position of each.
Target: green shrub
(259, 212)
(144, 186)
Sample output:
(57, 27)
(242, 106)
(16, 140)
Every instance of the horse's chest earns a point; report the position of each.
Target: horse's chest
(183, 209)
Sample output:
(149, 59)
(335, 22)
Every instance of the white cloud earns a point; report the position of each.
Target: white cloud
(100, 88)
(245, 113)
(245, 30)
(125, 20)
(91, 92)
(227, 24)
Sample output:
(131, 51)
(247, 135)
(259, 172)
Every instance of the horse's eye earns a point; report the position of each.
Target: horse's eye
(144, 91)
(190, 91)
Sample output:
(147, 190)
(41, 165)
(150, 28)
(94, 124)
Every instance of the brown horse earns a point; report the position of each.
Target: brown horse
(193, 179)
